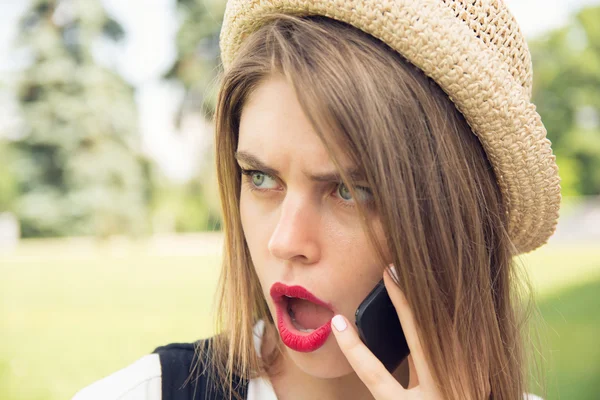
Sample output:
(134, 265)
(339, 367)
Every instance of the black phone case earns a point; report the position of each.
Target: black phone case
(379, 328)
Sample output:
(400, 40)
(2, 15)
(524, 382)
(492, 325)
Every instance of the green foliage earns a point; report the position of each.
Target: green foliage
(78, 165)
(183, 208)
(197, 62)
(8, 184)
(567, 94)
(195, 205)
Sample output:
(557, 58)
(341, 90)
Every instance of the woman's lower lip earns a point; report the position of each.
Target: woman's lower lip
(297, 340)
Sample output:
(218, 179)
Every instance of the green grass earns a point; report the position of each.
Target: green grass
(573, 319)
(71, 317)
(72, 312)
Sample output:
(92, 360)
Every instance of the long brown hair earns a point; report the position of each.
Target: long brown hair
(435, 191)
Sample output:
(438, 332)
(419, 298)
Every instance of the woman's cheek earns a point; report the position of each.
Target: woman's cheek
(344, 240)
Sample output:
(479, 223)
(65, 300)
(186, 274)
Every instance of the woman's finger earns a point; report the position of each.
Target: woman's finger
(370, 370)
(407, 321)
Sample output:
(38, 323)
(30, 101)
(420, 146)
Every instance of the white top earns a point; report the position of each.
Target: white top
(142, 381)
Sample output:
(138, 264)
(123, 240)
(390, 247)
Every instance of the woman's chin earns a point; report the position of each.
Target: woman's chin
(327, 362)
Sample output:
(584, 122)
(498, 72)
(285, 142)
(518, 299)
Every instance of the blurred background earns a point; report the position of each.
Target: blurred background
(109, 215)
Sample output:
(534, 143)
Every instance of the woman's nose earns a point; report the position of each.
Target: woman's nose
(295, 237)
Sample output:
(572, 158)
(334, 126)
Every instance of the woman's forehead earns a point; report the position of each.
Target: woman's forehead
(275, 131)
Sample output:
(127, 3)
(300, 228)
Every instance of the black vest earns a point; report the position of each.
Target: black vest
(177, 361)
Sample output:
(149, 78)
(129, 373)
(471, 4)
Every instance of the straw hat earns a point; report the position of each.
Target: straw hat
(476, 53)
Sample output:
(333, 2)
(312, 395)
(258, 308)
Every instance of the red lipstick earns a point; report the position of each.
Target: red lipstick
(291, 336)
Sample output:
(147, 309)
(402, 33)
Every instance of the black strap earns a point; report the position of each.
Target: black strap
(177, 361)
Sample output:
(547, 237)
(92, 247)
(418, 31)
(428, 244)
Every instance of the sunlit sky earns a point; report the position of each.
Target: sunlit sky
(151, 27)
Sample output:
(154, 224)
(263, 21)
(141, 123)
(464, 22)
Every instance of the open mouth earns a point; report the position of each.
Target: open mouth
(306, 316)
(303, 319)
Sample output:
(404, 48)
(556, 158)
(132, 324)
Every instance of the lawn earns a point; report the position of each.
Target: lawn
(573, 319)
(73, 311)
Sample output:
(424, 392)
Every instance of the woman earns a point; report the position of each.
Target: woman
(352, 136)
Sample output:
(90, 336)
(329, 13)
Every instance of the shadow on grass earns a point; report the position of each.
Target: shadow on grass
(572, 317)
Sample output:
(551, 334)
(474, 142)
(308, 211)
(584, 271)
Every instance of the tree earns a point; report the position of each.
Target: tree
(195, 205)
(8, 191)
(79, 169)
(197, 64)
(567, 95)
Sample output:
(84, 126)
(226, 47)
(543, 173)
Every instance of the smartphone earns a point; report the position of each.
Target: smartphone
(379, 328)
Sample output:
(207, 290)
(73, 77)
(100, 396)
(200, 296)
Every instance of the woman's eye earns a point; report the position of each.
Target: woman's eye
(344, 192)
(364, 193)
(260, 180)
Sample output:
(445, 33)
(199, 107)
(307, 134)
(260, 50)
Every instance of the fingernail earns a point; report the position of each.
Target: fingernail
(339, 322)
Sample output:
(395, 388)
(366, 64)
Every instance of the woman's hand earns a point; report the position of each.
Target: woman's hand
(370, 370)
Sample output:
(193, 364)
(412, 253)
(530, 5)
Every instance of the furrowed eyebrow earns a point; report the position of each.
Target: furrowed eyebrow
(354, 175)
(254, 162)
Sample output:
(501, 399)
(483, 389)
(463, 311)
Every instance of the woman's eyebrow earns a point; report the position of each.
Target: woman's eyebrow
(253, 162)
(354, 174)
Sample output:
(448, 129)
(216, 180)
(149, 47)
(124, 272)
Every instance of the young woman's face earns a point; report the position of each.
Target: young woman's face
(302, 231)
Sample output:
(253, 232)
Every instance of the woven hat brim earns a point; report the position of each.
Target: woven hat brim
(493, 102)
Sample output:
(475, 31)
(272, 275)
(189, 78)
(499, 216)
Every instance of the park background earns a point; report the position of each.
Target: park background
(109, 217)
